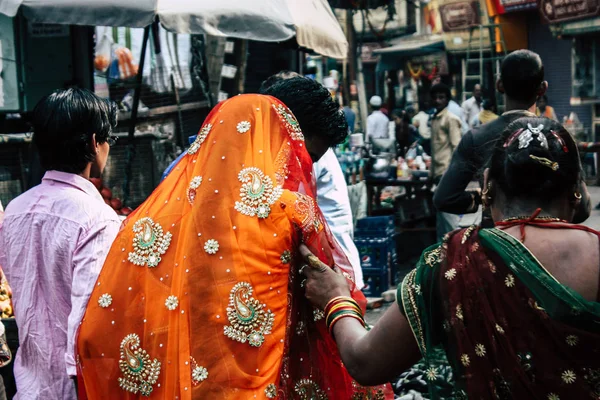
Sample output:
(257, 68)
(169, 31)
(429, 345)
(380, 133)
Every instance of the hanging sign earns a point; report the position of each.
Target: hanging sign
(459, 16)
(567, 10)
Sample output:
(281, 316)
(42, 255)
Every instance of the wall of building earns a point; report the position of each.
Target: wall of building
(556, 55)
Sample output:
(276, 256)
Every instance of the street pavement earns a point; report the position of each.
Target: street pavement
(373, 315)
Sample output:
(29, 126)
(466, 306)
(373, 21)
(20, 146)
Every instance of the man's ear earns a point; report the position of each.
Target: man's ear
(94, 144)
(542, 89)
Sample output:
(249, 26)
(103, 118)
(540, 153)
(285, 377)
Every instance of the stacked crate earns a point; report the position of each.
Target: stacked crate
(375, 239)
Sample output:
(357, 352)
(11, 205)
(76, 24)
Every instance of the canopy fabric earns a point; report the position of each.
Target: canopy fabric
(311, 21)
(414, 47)
(591, 25)
(401, 50)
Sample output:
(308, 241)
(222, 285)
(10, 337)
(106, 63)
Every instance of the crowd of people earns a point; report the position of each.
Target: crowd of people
(237, 278)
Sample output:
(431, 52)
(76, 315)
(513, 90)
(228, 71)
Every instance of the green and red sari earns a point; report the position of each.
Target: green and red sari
(510, 330)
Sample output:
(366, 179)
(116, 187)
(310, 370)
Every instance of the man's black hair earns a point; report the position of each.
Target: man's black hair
(63, 125)
(441, 88)
(278, 77)
(487, 104)
(316, 111)
(522, 73)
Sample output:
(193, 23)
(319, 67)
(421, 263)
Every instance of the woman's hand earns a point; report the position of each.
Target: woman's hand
(322, 283)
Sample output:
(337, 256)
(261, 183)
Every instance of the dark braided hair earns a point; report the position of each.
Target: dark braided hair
(535, 170)
(314, 108)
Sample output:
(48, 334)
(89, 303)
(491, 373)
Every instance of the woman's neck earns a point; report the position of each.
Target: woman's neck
(518, 210)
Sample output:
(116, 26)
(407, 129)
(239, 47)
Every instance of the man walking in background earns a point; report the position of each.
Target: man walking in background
(377, 123)
(445, 136)
(473, 105)
(522, 83)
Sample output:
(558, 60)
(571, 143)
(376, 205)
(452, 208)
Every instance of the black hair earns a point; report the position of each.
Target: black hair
(487, 104)
(441, 88)
(314, 108)
(522, 73)
(532, 170)
(63, 125)
(278, 77)
(398, 112)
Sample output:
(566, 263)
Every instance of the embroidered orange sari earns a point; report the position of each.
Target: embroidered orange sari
(200, 295)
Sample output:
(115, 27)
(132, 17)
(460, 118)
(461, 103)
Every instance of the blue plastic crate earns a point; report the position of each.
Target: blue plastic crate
(375, 227)
(376, 282)
(374, 253)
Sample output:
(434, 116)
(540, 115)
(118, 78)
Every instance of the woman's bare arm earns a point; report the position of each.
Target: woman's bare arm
(371, 357)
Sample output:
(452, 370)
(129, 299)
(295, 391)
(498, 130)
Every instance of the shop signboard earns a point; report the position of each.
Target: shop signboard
(457, 19)
(460, 15)
(367, 55)
(554, 11)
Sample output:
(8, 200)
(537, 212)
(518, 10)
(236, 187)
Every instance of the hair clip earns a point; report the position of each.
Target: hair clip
(526, 137)
(512, 137)
(545, 162)
(561, 141)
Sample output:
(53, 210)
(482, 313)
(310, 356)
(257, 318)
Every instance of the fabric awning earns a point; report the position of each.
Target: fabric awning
(414, 46)
(392, 57)
(582, 27)
(312, 22)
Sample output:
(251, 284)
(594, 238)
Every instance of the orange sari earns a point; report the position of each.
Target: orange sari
(200, 295)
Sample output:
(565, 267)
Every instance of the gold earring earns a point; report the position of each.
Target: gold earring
(485, 199)
(577, 195)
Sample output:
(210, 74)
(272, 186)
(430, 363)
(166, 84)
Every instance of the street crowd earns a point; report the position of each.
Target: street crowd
(237, 277)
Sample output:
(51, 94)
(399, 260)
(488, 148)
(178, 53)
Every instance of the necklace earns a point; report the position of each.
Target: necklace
(529, 219)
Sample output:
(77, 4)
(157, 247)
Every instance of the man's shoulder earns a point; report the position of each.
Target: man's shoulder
(491, 130)
(451, 116)
(68, 203)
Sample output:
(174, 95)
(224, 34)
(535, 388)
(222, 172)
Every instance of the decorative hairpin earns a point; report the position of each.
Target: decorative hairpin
(527, 136)
(561, 141)
(545, 162)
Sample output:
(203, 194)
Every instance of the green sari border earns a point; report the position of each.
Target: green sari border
(407, 294)
(530, 271)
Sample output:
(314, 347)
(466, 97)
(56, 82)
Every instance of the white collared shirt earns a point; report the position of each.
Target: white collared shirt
(333, 200)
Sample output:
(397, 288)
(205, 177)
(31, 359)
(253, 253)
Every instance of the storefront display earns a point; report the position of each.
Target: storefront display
(9, 91)
(584, 68)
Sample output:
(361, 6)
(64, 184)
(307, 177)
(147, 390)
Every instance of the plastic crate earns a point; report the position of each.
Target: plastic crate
(374, 253)
(375, 227)
(376, 282)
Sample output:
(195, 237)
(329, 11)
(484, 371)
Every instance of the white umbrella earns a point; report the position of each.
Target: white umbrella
(311, 21)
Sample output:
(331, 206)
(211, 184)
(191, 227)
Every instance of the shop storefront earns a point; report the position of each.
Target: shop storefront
(576, 26)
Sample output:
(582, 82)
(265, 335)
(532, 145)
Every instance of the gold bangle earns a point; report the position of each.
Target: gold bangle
(344, 304)
(338, 318)
(337, 298)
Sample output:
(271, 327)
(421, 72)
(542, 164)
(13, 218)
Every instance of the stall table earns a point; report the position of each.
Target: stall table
(416, 187)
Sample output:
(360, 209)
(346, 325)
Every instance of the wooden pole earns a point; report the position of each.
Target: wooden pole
(134, 113)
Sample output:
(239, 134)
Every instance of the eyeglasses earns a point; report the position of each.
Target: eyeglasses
(112, 140)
